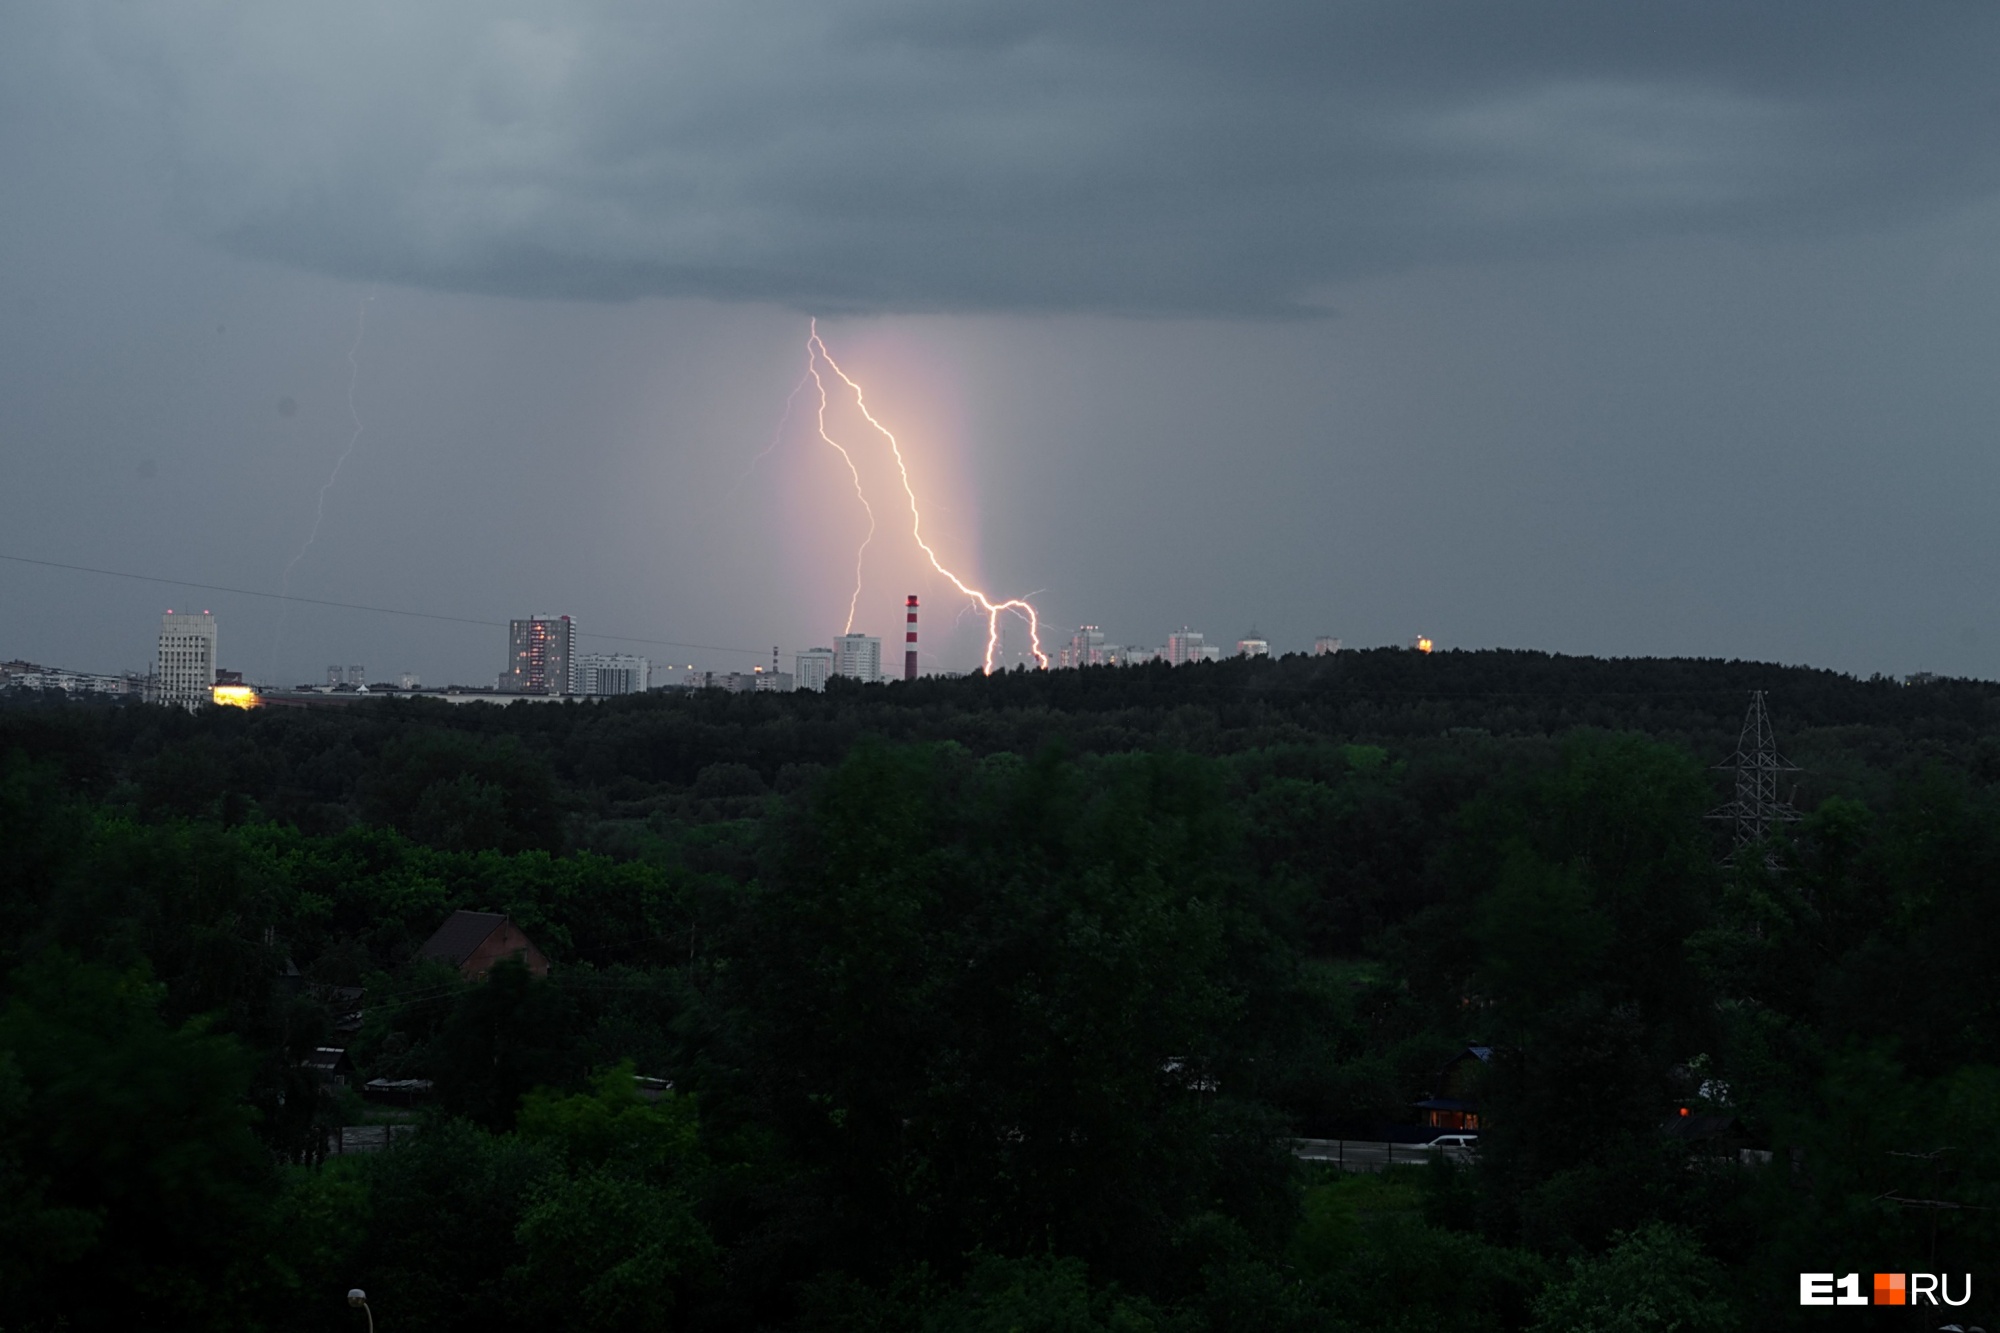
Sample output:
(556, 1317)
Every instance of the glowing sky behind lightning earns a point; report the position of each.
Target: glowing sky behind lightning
(817, 353)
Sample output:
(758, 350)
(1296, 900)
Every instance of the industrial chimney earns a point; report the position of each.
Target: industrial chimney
(910, 638)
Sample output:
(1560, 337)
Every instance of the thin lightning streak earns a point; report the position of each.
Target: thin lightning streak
(814, 345)
(319, 508)
(812, 368)
(776, 435)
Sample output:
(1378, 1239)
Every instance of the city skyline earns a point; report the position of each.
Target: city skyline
(1649, 342)
(571, 670)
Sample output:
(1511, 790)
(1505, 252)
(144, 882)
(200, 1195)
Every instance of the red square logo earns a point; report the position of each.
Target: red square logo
(1891, 1289)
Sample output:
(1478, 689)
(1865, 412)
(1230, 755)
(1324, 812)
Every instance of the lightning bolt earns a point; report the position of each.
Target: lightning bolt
(319, 509)
(816, 352)
(812, 369)
(776, 435)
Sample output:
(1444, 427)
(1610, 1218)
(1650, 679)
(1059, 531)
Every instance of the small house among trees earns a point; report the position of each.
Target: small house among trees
(330, 1065)
(1455, 1104)
(473, 942)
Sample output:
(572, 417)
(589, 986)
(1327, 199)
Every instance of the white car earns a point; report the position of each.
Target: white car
(1464, 1142)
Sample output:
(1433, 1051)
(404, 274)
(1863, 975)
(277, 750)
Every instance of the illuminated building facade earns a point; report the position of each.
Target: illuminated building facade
(612, 673)
(1187, 646)
(184, 670)
(1325, 646)
(858, 656)
(811, 667)
(1086, 647)
(1253, 644)
(541, 656)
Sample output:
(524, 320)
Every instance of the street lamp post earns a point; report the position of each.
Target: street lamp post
(359, 1299)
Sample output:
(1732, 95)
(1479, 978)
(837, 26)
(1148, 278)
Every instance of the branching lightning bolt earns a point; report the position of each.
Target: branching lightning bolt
(816, 352)
(319, 508)
(812, 368)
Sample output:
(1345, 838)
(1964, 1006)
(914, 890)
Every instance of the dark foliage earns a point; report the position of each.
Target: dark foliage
(994, 1003)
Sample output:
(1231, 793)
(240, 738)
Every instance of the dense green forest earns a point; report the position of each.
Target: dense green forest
(998, 1003)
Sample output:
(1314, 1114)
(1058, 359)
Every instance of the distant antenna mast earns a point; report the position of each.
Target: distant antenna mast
(1756, 811)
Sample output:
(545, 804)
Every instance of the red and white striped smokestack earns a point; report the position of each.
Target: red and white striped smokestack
(910, 638)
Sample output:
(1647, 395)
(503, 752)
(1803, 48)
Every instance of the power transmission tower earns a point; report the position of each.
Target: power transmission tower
(1756, 811)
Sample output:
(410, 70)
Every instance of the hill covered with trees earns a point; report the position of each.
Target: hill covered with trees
(998, 1003)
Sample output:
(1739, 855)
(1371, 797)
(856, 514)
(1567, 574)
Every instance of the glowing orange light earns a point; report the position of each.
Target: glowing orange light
(816, 352)
(1422, 644)
(235, 696)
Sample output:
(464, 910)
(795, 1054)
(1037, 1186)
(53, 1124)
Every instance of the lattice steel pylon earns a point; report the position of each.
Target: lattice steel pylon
(1756, 812)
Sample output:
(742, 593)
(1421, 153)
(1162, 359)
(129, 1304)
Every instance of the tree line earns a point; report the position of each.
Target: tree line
(998, 1003)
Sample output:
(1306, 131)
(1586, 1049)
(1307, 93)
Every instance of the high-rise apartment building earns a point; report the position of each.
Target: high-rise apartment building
(541, 656)
(612, 673)
(1253, 644)
(1187, 646)
(811, 667)
(858, 656)
(184, 670)
(1325, 646)
(1085, 648)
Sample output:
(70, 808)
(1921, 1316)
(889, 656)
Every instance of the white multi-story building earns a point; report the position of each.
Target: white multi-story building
(811, 667)
(1187, 646)
(858, 656)
(18, 675)
(1253, 644)
(1086, 647)
(612, 673)
(184, 670)
(1325, 646)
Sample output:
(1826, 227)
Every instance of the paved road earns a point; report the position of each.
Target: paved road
(1368, 1155)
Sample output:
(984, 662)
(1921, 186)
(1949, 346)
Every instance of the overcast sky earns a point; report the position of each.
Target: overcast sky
(1663, 329)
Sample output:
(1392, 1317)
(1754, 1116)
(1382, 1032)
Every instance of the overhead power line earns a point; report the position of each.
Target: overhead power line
(357, 606)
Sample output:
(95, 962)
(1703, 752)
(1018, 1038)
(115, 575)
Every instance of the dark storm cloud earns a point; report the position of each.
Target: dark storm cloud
(1190, 157)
